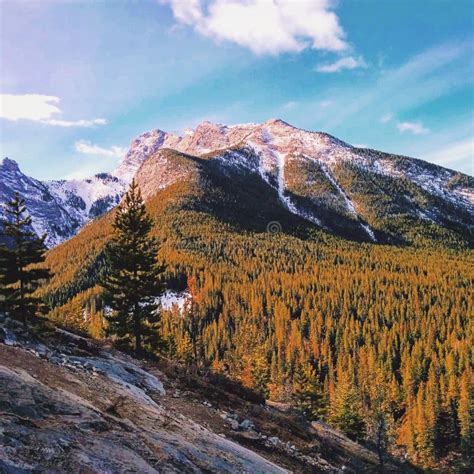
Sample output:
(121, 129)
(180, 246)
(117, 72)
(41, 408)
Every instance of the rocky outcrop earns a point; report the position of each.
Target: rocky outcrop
(70, 404)
(73, 407)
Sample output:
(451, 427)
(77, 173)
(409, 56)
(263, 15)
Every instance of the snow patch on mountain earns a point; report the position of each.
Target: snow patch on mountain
(284, 198)
(178, 299)
(348, 202)
(89, 191)
(349, 205)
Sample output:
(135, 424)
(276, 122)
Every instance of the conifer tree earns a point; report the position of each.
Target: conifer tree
(132, 282)
(377, 415)
(466, 412)
(425, 434)
(184, 349)
(346, 407)
(261, 372)
(19, 278)
(308, 394)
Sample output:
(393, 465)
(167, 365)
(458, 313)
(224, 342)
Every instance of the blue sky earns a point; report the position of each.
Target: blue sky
(80, 79)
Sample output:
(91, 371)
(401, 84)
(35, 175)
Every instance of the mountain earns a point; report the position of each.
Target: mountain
(357, 193)
(59, 208)
(293, 258)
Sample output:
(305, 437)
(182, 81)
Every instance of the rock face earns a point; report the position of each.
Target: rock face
(71, 404)
(329, 183)
(71, 407)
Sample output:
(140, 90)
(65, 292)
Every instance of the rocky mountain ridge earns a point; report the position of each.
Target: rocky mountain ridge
(325, 181)
(59, 208)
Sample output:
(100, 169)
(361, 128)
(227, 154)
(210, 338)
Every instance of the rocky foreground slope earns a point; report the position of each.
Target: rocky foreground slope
(68, 404)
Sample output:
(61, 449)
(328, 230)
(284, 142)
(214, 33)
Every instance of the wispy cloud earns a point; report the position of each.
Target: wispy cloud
(290, 105)
(75, 123)
(417, 128)
(39, 108)
(264, 27)
(422, 79)
(451, 145)
(89, 148)
(461, 150)
(348, 62)
(386, 118)
(324, 104)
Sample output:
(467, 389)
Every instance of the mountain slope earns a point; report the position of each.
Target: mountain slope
(73, 403)
(263, 306)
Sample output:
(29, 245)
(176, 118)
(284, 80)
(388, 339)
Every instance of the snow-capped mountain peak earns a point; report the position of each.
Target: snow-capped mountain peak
(9, 165)
(140, 149)
(313, 174)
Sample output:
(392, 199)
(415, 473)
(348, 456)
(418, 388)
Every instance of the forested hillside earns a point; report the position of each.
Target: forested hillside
(374, 339)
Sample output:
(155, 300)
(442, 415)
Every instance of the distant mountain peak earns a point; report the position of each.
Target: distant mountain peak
(59, 208)
(8, 164)
(278, 122)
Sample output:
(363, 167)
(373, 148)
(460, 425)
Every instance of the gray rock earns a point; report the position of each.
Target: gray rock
(247, 425)
(274, 440)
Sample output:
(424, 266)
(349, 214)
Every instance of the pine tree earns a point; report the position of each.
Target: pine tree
(425, 430)
(466, 412)
(378, 414)
(308, 394)
(346, 407)
(132, 282)
(261, 372)
(19, 277)
(184, 349)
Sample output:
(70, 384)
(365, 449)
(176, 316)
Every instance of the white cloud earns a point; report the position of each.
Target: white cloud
(324, 104)
(39, 108)
(386, 118)
(29, 106)
(348, 62)
(89, 148)
(292, 104)
(265, 26)
(425, 77)
(416, 128)
(75, 123)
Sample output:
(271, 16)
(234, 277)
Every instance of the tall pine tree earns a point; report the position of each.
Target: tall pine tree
(19, 277)
(308, 394)
(346, 407)
(132, 282)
